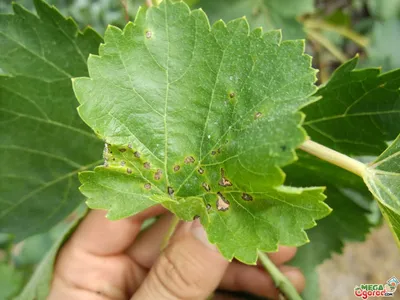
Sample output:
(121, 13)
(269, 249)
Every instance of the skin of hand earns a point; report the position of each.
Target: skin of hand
(115, 260)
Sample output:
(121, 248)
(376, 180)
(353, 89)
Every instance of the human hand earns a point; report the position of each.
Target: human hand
(113, 260)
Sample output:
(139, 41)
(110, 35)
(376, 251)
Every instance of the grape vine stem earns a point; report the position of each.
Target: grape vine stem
(334, 157)
(170, 232)
(281, 282)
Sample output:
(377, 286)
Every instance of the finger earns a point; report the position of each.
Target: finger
(99, 236)
(251, 279)
(147, 246)
(283, 255)
(189, 268)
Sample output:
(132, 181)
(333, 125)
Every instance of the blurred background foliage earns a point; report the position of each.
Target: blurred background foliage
(334, 30)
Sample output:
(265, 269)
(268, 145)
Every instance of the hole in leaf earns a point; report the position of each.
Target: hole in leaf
(105, 164)
(129, 171)
(149, 34)
(201, 171)
(213, 152)
(196, 217)
(222, 203)
(137, 154)
(208, 206)
(130, 146)
(122, 163)
(170, 191)
(157, 175)
(206, 186)
(177, 168)
(257, 115)
(189, 160)
(247, 197)
(147, 186)
(146, 165)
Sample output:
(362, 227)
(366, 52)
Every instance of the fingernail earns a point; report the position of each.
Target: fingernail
(199, 233)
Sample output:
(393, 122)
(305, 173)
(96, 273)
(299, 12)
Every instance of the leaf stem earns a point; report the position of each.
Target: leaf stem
(281, 282)
(334, 157)
(342, 30)
(170, 232)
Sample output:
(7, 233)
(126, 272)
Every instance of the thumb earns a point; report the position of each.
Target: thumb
(189, 268)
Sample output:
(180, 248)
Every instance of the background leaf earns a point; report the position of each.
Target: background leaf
(193, 112)
(358, 111)
(11, 280)
(268, 14)
(96, 13)
(38, 286)
(43, 143)
(383, 180)
(384, 9)
(349, 221)
(383, 49)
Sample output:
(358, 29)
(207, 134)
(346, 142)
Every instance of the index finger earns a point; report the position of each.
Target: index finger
(99, 236)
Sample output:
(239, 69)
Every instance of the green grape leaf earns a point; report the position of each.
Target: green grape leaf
(349, 221)
(383, 180)
(11, 281)
(269, 14)
(43, 142)
(38, 286)
(192, 113)
(358, 112)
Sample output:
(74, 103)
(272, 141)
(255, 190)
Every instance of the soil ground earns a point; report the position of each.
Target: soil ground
(373, 261)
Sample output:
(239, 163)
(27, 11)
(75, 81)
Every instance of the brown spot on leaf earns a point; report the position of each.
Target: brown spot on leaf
(122, 150)
(177, 168)
(247, 197)
(122, 163)
(130, 146)
(105, 164)
(232, 95)
(146, 165)
(201, 171)
(170, 191)
(222, 203)
(283, 148)
(137, 154)
(157, 175)
(189, 160)
(147, 186)
(206, 186)
(129, 171)
(213, 152)
(257, 115)
(196, 217)
(224, 182)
